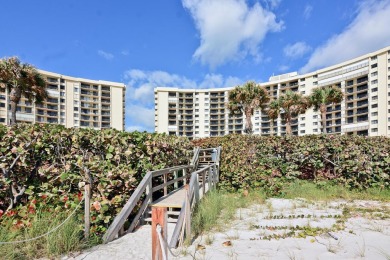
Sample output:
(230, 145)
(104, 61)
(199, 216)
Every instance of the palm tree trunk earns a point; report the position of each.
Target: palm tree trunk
(15, 96)
(288, 125)
(323, 117)
(272, 127)
(248, 121)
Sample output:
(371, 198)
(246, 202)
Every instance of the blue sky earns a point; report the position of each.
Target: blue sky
(188, 43)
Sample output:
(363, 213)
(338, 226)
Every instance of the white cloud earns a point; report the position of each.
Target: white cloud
(367, 32)
(273, 3)
(141, 117)
(230, 29)
(307, 11)
(296, 50)
(125, 52)
(140, 92)
(106, 55)
(135, 128)
(284, 68)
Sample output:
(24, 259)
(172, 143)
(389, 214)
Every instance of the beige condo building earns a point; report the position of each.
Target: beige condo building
(72, 102)
(365, 110)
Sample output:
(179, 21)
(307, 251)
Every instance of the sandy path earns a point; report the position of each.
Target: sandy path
(256, 234)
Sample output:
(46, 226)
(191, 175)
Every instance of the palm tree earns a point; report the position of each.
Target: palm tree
(273, 112)
(321, 97)
(21, 79)
(245, 99)
(292, 104)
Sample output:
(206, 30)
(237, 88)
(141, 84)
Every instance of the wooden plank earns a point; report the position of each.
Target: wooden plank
(167, 183)
(142, 209)
(126, 210)
(159, 217)
(175, 176)
(178, 226)
(172, 200)
(169, 170)
(188, 212)
(204, 181)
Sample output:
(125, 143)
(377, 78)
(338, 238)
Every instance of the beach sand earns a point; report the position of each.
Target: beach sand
(277, 229)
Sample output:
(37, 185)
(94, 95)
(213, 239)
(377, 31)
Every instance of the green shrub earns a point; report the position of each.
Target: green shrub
(51, 163)
(255, 161)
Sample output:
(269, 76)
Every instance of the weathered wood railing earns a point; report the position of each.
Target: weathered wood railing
(163, 181)
(197, 189)
(145, 191)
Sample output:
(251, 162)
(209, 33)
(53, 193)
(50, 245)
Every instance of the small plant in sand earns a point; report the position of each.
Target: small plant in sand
(361, 249)
(209, 239)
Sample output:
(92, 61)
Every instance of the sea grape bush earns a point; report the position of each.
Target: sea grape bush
(45, 166)
(255, 161)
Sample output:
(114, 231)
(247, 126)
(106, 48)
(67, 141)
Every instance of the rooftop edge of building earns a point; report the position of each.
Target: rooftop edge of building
(100, 82)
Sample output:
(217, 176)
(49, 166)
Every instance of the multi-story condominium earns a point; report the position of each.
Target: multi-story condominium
(72, 102)
(365, 110)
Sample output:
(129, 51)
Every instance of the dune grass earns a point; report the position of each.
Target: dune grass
(65, 239)
(329, 191)
(219, 207)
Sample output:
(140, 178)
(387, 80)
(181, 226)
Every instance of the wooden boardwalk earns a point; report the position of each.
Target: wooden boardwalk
(189, 183)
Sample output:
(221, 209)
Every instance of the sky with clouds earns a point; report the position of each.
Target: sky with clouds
(188, 43)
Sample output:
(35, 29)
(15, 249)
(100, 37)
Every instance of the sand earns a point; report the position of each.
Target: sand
(359, 230)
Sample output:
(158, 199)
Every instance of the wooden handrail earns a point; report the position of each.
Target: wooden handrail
(145, 191)
(127, 209)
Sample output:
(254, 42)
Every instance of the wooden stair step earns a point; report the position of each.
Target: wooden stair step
(170, 220)
(175, 213)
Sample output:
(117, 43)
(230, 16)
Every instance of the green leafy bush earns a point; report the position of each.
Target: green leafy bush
(44, 166)
(255, 161)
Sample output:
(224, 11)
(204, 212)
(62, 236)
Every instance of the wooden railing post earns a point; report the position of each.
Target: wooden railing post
(159, 217)
(204, 181)
(165, 181)
(210, 178)
(185, 174)
(188, 212)
(175, 176)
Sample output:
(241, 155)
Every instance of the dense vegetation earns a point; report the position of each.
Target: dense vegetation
(254, 161)
(44, 167)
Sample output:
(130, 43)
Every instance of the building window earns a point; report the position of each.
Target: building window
(374, 90)
(374, 130)
(302, 131)
(76, 90)
(75, 109)
(315, 116)
(374, 81)
(374, 73)
(374, 113)
(302, 125)
(374, 121)
(374, 65)
(315, 123)
(374, 105)
(374, 98)
(315, 130)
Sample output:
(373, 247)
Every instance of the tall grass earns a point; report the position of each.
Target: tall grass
(329, 191)
(219, 207)
(65, 239)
